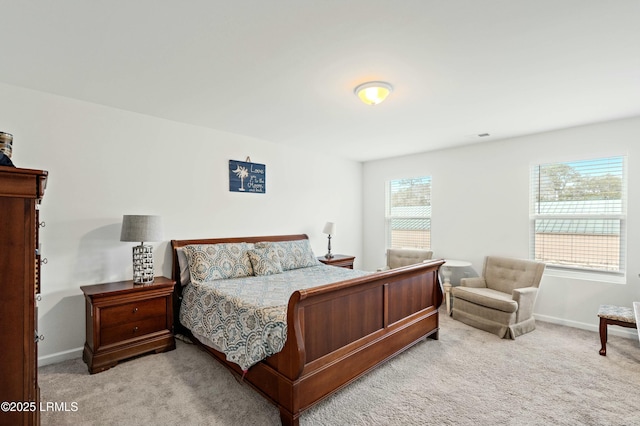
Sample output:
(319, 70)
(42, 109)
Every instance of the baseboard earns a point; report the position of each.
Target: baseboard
(628, 333)
(59, 356)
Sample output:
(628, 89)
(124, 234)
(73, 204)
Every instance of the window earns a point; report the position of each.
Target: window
(578, 214)
(408, 213)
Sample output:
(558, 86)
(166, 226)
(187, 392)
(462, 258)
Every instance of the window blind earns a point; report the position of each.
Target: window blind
(578, 214)
(408, 213)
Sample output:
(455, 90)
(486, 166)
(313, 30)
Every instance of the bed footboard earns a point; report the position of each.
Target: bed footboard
(340, 331)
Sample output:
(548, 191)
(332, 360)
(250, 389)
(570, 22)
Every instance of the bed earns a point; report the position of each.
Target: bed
(335, 332)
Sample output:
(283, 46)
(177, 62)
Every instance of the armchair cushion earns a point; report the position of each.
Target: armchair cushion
(486, 297)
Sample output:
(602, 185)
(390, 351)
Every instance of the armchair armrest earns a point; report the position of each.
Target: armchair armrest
(525, 298)
(477, 282)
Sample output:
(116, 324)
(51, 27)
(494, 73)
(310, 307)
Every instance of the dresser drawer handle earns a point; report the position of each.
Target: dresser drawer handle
(135, 330)
(135, 310)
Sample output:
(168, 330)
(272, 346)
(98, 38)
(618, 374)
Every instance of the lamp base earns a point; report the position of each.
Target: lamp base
(328, 255)
(143, 264)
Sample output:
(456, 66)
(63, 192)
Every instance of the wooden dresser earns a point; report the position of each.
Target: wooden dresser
(125, 320)
(20, 193)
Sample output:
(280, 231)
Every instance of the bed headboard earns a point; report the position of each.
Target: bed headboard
(175, 268)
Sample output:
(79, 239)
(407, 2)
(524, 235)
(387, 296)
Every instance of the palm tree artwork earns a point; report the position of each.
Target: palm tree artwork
(242, 173)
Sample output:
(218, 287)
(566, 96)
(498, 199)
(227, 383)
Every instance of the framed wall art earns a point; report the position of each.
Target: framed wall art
(245, 176)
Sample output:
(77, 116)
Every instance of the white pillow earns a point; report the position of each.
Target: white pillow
(183, 264)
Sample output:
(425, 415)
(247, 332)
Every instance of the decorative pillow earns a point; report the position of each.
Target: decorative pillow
(208, 262)
(265, 261)
(183, 263)
(293, 254)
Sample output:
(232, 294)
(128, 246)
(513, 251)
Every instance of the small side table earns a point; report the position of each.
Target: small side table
(124, 319)
(446, 273)
(340, 260)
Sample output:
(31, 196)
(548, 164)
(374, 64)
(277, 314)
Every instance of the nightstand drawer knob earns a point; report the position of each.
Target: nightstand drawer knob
(135, 329)
(135, 310)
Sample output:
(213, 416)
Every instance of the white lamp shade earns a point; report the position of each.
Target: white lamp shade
(141, 228)
(329, 228)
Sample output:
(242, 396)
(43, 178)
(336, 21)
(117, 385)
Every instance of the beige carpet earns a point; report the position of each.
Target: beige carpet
(553, 376)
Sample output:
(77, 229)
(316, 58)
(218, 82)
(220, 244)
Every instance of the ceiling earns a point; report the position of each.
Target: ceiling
(284, 70)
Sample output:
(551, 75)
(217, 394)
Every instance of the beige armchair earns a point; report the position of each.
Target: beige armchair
(501, 301)
(402, 257)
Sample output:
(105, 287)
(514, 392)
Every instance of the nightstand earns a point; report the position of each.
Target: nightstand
(125, 320)
(340, 260)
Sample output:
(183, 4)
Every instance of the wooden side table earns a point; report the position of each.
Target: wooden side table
(125, 319)
(340, 260)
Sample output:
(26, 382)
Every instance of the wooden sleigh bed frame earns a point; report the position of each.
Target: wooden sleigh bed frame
(336, 332)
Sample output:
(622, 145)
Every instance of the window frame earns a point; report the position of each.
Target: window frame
(576, 270)
(390, 216)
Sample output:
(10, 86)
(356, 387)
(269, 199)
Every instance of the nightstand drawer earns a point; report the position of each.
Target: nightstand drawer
(132, 329)
(132, 312)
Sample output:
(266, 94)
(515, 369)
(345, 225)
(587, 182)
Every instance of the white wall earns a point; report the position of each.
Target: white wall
(105, 162)
(480, 199)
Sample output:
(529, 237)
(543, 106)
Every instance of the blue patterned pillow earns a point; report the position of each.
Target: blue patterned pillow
(208, 262)
(265, 261)
(293, 254)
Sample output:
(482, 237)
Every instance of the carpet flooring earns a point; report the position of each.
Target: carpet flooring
(552, 376)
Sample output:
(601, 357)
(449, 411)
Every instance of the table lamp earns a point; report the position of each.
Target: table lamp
(142, 228)
(329, 229)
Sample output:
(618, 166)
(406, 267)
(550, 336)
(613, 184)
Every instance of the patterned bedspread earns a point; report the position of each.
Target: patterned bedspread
(246, 318)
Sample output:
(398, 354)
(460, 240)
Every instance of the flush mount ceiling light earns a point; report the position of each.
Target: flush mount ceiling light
(373, 92)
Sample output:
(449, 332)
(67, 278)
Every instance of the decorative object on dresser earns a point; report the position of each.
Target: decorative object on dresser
(340, 260)
(333, 333)
(329, 229)
(6, 143)
(21, 191)
(142, 228)
(6, 148)
(125, 319)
